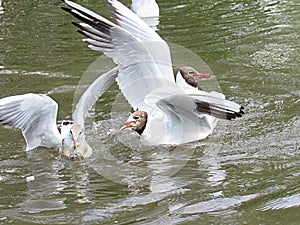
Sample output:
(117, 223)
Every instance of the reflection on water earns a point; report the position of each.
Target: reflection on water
(48, 182)
(247, 171)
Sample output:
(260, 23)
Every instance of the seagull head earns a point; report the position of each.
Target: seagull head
(136, 121)
(76, 132)
(65, 127)
(72, 134)
(191, 75)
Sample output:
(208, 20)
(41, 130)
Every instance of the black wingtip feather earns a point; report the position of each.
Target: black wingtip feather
(217, 111)
(66, 9)
(77, 24)
(3, 122)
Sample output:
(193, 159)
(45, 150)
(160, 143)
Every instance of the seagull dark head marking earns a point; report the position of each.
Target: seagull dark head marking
(136, 121)
(191, 75)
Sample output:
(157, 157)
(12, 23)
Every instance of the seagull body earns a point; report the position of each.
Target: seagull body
(36, 114)
(167, 112)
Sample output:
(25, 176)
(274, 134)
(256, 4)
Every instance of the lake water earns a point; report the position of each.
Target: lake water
(246, 172)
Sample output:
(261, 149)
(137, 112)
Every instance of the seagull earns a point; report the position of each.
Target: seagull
(168, 112)
(147, 10)
(35, 115)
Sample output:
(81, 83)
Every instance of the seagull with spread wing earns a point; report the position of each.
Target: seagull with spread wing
(166, 112)
(35, 115)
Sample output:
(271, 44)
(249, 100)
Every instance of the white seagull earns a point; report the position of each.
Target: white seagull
(167, 112)
(147, 10)
(35, 115)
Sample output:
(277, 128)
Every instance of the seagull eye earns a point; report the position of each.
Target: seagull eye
(65, 123)
(190, 72)
(136, 117)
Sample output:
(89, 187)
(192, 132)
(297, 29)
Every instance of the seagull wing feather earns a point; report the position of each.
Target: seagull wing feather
(139, 51)
(92, 93)
(35, 115)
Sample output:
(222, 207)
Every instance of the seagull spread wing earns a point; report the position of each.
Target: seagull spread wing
(131, 22)
(187, 123)
(211, 103)
(217, 107)
(139, 51)
(193, 117)
(91, 95)
(35, 115)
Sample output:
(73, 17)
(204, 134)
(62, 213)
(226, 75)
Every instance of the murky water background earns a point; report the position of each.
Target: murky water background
(247, 171)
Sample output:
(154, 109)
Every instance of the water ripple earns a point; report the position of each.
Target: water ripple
(214, 205)
(282, 203)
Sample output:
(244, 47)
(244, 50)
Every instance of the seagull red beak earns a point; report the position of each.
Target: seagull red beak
(203, 76)
(127, 125)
